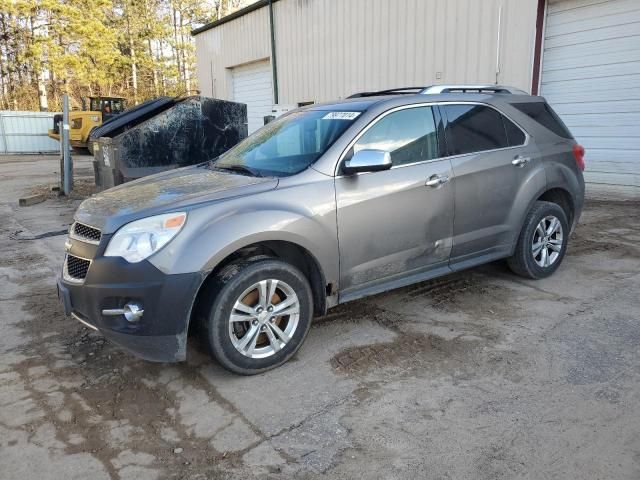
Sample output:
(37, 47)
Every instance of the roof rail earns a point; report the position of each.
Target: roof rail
(391, 91)
(488, 88)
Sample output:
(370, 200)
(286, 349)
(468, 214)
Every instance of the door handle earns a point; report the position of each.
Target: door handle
(520, 161)
(437, 180)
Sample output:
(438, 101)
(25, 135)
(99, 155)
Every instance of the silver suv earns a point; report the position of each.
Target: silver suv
(327, 204)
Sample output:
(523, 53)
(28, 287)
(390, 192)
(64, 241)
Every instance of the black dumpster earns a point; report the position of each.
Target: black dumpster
(163, 134)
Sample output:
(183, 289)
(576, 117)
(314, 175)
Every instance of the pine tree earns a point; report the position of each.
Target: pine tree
(137, 49)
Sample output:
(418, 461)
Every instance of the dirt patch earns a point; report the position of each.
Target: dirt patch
(83, 188)
(415, 349)
(354, 312)
(612, 227)
(461, 358)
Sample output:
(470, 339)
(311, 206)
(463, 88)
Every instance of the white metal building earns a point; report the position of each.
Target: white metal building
(26, 132)
(583, 55)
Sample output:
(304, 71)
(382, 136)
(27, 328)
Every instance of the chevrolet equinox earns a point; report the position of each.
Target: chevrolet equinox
(327, 204)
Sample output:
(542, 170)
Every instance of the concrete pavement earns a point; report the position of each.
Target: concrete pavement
(479, 375)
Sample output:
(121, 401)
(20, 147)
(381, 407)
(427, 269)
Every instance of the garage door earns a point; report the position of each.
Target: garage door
(591, 76)
(252, 85)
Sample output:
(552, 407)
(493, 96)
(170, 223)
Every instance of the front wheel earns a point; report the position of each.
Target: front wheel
(542, 242)
(260, 315)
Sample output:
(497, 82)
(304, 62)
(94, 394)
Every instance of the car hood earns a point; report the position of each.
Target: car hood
(170, 191)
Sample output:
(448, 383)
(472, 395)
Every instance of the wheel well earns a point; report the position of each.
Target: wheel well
(562, 198)
(286, 251)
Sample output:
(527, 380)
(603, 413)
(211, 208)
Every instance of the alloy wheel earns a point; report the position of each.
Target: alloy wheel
(547, 241)
(264, 318)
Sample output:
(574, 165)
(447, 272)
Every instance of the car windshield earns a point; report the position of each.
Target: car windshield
(287, 145)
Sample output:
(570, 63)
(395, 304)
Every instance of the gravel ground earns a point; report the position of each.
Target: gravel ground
(478, 375)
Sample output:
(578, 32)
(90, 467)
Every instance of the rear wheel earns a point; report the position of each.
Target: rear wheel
(259, 316)
(542, 242)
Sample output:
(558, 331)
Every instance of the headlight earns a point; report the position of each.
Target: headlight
(138, 240)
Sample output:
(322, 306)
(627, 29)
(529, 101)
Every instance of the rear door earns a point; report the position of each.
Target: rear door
(491, 158)
(391, 224)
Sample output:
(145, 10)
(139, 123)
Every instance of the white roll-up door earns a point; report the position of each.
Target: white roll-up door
(252, 85)
(591, 77)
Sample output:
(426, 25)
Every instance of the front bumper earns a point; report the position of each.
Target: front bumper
(111, 282)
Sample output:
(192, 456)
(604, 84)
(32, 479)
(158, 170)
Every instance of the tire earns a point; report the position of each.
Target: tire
(525, 262)
(237, 286)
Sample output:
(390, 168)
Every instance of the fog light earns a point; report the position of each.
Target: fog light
(131, 311)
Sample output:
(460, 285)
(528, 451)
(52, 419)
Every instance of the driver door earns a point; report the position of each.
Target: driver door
(396, 224)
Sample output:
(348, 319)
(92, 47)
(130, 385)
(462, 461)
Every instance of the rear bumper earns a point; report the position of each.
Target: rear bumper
(161, 334)
(577, 214)
(578, 204)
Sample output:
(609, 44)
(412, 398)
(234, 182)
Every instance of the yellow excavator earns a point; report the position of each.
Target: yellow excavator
(81, 123)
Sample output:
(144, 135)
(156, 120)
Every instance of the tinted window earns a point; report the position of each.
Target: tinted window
(409, 135)
(515, 136)
(545, 116)
(474, 128)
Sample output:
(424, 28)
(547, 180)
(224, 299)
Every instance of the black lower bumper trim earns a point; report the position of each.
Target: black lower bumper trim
(160, 335)
(160, 348)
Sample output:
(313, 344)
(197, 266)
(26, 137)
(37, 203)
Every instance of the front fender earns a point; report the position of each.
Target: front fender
(214, 232)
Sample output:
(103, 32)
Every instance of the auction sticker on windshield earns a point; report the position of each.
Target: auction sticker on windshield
(341, 116)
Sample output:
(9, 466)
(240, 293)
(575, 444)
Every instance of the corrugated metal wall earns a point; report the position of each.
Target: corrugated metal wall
(239, 42)
(26, 132)
(328, 49)
(591, 76)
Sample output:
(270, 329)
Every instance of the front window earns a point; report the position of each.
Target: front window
(287, 145)
(409, 135)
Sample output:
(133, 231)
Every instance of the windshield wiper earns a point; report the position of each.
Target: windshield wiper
(239, 168)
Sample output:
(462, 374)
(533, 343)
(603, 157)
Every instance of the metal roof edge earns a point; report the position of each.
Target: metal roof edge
(232, 16)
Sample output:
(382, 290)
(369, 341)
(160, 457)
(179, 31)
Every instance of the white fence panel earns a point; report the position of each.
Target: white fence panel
(26, 132)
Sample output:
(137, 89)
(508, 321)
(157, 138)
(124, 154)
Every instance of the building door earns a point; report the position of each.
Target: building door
(252, 85)
(591, 77)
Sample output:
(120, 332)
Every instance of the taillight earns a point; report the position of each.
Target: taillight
(578, 153)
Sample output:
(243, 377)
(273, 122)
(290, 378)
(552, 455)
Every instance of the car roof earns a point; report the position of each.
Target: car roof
(361, 104)
(347, 104)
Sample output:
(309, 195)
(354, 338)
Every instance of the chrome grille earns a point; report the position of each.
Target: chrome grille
(76, 268)
(85, 232)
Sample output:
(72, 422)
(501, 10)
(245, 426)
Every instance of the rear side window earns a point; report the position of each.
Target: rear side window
(409, 135)
(515, 136)
(543, 114)
(474, 128)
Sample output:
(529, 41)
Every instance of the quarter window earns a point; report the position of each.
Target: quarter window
(515, 136)
(474, 128)
(409, 135)
(542, 113)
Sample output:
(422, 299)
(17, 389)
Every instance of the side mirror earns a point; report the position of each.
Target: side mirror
(368, 161)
